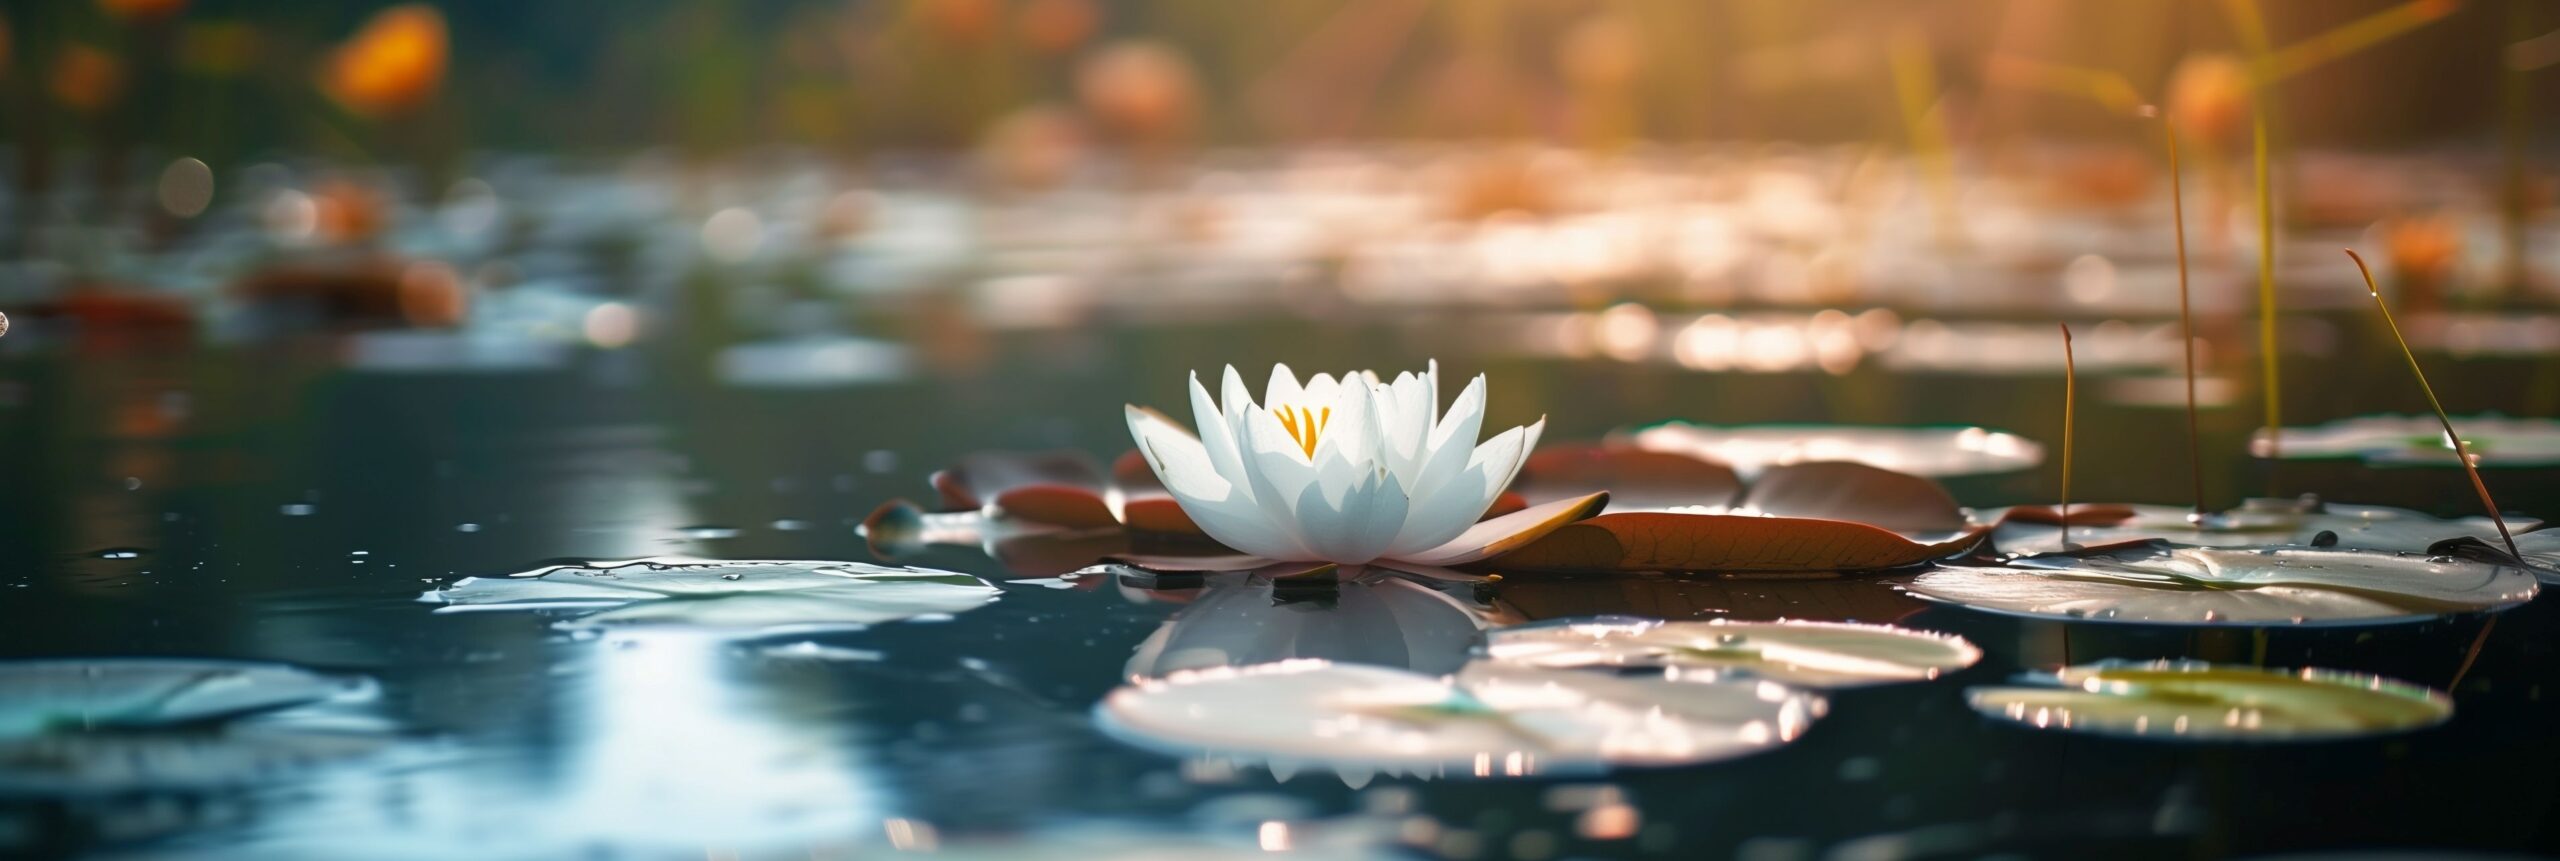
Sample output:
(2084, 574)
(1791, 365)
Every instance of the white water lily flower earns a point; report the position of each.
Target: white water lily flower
(1348, 470)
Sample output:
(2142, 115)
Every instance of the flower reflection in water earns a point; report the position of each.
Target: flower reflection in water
(1378, 619)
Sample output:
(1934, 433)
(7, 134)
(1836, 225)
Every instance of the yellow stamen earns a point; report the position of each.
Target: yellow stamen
(1305, 426)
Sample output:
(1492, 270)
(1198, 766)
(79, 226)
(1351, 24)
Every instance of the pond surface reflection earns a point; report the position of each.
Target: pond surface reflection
(512, 737)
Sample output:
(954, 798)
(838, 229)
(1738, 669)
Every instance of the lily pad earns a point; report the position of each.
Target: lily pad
(1379, 620)
(1635, 479)
(1923, 451)
(2391, 440)
(1801, 517)
(1654, 541)
(2032, 530)
(1805, 654)
(2196, 701)
(43, 695)
(108, 725)
(2163, 584)
(760, 596)
(1064, 489)
(1486, 720)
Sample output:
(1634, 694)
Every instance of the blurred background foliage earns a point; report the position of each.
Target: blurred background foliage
(230, 78)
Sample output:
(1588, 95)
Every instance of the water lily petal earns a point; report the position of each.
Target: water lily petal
(1509, 532)
(1356, 527)
(1406, 416)
(1450, 447)
(1218, 437)
(1224, 510)
(1455, 505)
(1278, 472)
(1349, 437)
(1283, 389)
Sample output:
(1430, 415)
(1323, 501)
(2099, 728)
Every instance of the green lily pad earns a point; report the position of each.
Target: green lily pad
(2196, 701)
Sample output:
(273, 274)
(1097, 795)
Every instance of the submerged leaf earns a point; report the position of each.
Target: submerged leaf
(1487, 720)
(2196, 701)
(1922, 451)
(1807, 654)
(2157, 583)
(758, 595)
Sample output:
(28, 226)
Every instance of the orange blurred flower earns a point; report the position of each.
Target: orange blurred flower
(86, 79)
(2423, 247)
(348, 211)
(1141, 91)
(2209, 96)
(395, 63)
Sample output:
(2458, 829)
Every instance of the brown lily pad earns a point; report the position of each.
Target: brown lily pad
(1635, 478)
(1662, 541)
(981, 477)
(1841, 490)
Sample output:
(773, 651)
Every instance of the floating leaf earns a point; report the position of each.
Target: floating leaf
(41, 695)
(2258, 523)
(1922, 451)
(1486, 720)
(1805, 654)
(2196, 701)
(1063, 489)
(2390, 440)
(1655, 541)
(1854, 492)
(121, 725)
(1767, 596)
(2542, 553)
(1143, 503)
(764, 596)
(1635, 479)
(1378, 619)
(2157, 583)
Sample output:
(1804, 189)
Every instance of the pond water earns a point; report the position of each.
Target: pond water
(271, 503)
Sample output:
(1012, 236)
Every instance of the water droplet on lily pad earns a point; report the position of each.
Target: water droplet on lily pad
(2163, 584)
(2197, 701)
(1486, 720)
(760, 596)
(1807, 654)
